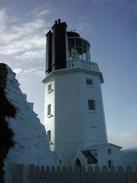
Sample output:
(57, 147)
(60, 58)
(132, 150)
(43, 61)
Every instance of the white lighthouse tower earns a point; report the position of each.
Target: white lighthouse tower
(74, 113)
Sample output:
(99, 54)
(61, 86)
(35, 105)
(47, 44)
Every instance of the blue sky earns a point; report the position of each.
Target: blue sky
(111, 28)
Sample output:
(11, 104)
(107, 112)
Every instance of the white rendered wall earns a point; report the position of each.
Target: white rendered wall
(75, 126)
(69, 123)
(94, 121)
(115, 156)
(50, 99)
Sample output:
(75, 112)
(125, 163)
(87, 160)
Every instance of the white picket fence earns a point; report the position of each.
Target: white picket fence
(37, 174)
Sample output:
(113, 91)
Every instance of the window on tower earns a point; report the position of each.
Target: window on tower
(49, 110)
(49, 135)
(109, 151)
(89, 82)
(49, 88)
(110, 163)
(91, 105)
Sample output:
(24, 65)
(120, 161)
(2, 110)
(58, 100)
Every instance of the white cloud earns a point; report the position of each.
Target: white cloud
(24, 72)
(17, 70)
(126, 140)
(40, 12)
(30, 70)
(30, 54)
(23, 40)
(3, 19)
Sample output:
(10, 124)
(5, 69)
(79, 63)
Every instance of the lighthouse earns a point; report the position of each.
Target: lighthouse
(73, 105)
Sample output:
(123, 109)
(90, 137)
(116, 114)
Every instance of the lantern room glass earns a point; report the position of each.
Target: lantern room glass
(78, 49)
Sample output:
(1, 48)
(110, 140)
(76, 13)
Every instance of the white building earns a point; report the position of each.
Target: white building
(74, 113)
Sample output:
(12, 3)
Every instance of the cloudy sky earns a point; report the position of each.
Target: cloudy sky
(111, 28)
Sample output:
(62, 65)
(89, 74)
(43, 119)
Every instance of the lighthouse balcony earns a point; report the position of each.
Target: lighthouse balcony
(91, 66)
(82, 65)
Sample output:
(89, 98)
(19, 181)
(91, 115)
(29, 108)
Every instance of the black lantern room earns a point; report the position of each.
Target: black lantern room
(63, 46)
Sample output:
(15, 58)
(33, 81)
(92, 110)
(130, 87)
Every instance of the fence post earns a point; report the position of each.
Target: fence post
(90, 175)
(64, 174)
(84, 177)
(58, 174)
(70, 175)
(135, 172)
(77, 173)
(53, 174)
(105, 174)
(113, 175)
(122, 176)
(131, 175)
(17, 173)
(97, 174)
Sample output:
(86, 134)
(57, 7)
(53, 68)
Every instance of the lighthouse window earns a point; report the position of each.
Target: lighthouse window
(49, 109)
(89, 81)
(49, 88)
(49, 135)
(78, 49)
(109, 151)
(91, 105)
(110, 163)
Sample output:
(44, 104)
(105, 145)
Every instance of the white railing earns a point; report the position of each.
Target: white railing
(83, 64)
